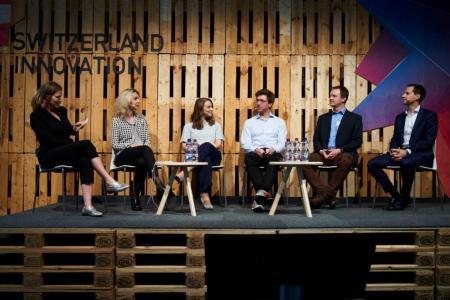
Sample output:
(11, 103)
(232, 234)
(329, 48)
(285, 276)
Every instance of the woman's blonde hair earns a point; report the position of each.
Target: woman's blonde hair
(123, 101)
(44, 93)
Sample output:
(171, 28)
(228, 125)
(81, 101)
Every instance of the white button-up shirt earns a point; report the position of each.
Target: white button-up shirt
(260, 133)
(409, 124)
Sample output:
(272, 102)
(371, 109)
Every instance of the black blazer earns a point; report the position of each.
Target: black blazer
(423, 134)
(49, 131)
(348, 137)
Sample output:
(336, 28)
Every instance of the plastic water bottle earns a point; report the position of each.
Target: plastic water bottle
(188, 151)
(305, 151)
(287, 150)
(296, 149)
(194, 150)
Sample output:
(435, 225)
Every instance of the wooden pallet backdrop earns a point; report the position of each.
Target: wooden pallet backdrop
(225, 50)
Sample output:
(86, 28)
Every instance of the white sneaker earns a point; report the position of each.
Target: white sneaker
(257, 207)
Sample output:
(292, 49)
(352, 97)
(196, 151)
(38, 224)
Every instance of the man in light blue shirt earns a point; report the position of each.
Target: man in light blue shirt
(336, 119)
(263, 139)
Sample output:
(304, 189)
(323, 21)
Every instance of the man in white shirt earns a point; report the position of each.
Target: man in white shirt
(263, 138)
(412, 144)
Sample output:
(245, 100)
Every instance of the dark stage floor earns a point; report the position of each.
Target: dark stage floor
(426, 215)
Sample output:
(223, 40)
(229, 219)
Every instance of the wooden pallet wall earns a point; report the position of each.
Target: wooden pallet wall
(225, 50)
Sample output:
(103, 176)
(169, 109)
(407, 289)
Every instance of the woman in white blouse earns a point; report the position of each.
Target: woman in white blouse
(131, 142)
(209, 136)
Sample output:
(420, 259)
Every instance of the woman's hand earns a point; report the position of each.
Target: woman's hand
(80, 125)
(218, 144)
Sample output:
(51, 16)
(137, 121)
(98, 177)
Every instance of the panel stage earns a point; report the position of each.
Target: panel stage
(119, 215)
(360, 252)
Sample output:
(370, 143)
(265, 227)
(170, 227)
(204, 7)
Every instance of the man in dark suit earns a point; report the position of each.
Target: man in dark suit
(337, 137)
(415, 131)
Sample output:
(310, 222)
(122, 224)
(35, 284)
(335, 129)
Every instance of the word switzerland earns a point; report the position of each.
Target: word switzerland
(71, 60)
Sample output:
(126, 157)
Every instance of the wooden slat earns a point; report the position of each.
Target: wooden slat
(231, 27)
(297, 46)
(4, 103)
(220, 14)
(396, 268)
(192, 26)
(125, 9)
(324, 45)
(163, 102)
(362, 30)
(97, 104)
(54, 249)
(160, 269)
(337, 9)
(60, 19)
(402, 248)
(159, 289)
(351, 27)
(4, 166)
(17, 174)
(87, 25)
(284, 7)
(32, 22)
(31, 82)
(16, 105)
(379, 287)
(151, 101)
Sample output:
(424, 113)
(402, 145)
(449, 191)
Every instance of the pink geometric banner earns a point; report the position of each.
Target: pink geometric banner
(384, 55)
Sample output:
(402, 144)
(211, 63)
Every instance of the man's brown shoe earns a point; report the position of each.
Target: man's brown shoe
(321, 196)
(316, 203)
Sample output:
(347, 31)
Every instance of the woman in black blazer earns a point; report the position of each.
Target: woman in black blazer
(53, 131)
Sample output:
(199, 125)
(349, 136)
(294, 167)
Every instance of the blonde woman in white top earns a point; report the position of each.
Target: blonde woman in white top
(131, 142)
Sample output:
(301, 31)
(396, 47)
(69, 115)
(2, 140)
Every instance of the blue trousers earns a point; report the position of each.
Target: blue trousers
(407, 169)
(207, 153)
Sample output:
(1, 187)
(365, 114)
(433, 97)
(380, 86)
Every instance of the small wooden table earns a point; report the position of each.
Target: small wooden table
(304, 193)
(184, 166)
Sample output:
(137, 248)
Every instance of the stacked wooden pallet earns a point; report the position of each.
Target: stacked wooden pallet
(38, 262)
(443, 265)
(160, 262)
(404, 263)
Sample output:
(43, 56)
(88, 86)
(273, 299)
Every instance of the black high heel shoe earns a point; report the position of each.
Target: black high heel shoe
(135, 203)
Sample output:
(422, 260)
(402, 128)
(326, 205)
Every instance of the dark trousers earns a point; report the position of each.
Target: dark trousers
(77, 154)
(143, 159)
(261, 180)
(207, 153)
(343, 162)
(407, 169)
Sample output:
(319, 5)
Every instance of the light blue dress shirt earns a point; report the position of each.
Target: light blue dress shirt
(336, 119)
(260, 133)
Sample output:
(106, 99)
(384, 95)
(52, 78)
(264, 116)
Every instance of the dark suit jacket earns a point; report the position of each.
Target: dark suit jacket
(423, 134)
(348, 137)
